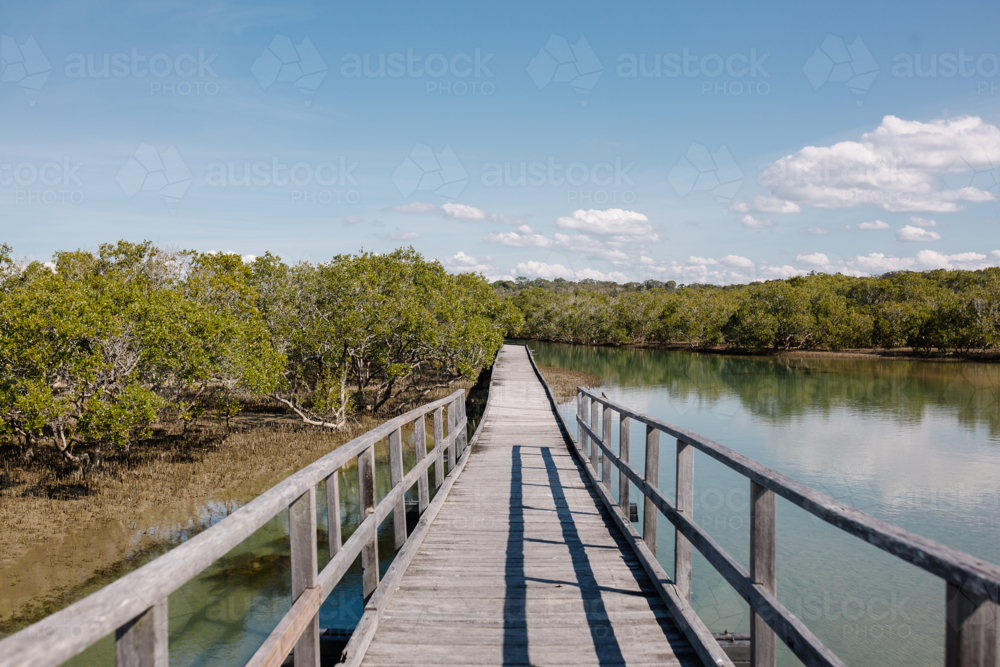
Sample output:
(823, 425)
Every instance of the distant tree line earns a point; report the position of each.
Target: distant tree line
(943, 311)
(99, 345)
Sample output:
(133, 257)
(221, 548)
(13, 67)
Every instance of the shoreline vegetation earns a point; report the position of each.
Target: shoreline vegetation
(146, 391)
(932, 315)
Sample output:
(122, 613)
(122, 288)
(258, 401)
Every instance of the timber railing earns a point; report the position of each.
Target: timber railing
(134, 607)
(972, 585)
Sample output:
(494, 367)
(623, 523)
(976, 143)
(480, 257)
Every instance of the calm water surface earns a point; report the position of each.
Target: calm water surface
(913, 443)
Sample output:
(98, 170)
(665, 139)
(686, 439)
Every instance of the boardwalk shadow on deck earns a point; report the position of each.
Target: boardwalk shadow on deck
(516, 641)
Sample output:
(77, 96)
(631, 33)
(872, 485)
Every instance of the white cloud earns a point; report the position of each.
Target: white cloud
(778, 272)
(766, 204)
(751, 222)
(995, 255)
(735, 261)
(612, 222)
(911, 233)
(922, 222)
(817, 231)
(900, 166)
(815, 259)
(552, 271)
(925, 260)
(520, 239)
(456, 212)
(874, 224)
(462, 263)
(407, 236)
(353, 220)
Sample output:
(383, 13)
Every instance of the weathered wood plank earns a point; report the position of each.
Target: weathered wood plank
(763, 571)
(420, 444)
(284, 637)
(685, 505)
(334, 532)
(652, 478)
(366, 507)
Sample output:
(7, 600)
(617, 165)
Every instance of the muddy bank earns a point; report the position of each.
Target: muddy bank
(66, 533)
(564, 381)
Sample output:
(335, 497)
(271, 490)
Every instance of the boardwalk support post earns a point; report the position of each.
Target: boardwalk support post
(594, 449)
(763, 571)
(396, 478)
(438, 439)
(650, 512)
(624, 437)
(452, 420)
(142, 642)
(366, 506)
(606, 469)
(970, 638)
(334, 535)
(420, 443)
(685, 505)
(302, 536)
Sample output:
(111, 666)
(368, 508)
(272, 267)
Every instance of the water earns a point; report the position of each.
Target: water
(913, 443)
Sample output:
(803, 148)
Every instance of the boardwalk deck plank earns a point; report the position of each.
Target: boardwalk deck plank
(523, 565)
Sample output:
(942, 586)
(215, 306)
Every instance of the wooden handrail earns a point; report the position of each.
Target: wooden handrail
(134, 606)
(973, 584)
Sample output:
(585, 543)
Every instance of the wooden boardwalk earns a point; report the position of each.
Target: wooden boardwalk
(523, 565)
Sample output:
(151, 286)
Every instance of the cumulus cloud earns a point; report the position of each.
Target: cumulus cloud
(456, 212)
(817, 231)
(925, 260)
(612, 222)
(874, 224)
(922, 222)
(766, 204)
(751, 222)
(406, 236)
(553, 271)
(911, 233)
(900, 166)
(815, 259)
(520, 239)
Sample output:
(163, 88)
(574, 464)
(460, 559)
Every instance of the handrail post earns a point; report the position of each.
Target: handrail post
(438, 452)
(396, 478)
(606, 471)
(685, 505)
(143, 641)
(366, 505)
(594, 449)
(452, 420)
(624, 438)
(420, 442)
(763, 571)
(462, 437)
(583, 410)
(333, 512)
(302, 536)
(970, 638)
(652, 476)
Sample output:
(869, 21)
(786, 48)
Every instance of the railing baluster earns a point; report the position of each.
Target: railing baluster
(333, 512)
(438, 439)
(594, 449)
(366, 504)
(624, 438)
(462, 437)
(606, 424)
(970, 638)
(650, 513)
(763, 571)
(302, 536)
(420, 442)
(583, 411)
(143, 641)
(452, 420)
(396, 478)
(685, 505)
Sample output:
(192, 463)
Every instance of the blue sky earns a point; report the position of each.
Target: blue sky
(708, 142)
